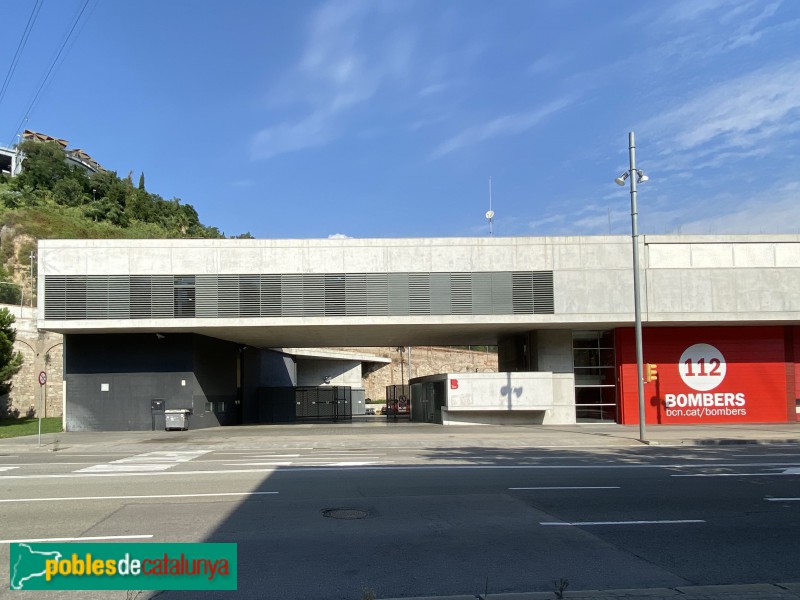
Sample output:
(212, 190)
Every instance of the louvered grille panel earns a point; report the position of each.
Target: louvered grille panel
(355, 286)
(481, 293)
(206, 301)
(270, 295)
(96, 297)
(314, 295)
(522, 292)
(335, 295)
(141, 297)
(377, 294)
(295, 295)
(292, 295)
(440, 293)
(543, 298)
(55, 293)
(249, 295)
(461, 293)
(119, 297)
(419, 294)
(75, 299)
(228, 295)
(162, 297)
(502, 293)
(397, 289)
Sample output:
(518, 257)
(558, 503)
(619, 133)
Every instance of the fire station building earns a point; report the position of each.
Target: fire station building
(202, 325)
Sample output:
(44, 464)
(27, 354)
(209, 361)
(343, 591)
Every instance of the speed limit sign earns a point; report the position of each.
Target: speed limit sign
(42, 378)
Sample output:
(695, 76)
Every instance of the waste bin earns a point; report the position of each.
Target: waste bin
(177, 418)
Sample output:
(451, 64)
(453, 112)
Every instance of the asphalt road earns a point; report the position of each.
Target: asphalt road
(436, 521)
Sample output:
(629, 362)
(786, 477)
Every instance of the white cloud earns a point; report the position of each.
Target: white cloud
(546, 64)
(310, 132)
(774, 210)
(735, 115)
(336, 73)
(339, 236)
(504, 126)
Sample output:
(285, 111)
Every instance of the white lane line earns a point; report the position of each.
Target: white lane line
(599, 487)
(139, 497)
(254, 451)
(259, 464)
(51, 464)
(782, 499)
(588, 523)
(789, 471)
(766, 455)
(80, 539)
(253, 457)
(8, 468)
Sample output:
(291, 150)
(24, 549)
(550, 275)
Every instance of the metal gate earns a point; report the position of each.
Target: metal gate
(398, 402)
(303, 404)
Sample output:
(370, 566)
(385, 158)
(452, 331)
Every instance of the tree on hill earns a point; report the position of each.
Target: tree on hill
(10, 361)
(47, 180)
(10, 292)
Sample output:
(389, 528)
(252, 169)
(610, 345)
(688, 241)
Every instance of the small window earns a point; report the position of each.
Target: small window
(183, 296)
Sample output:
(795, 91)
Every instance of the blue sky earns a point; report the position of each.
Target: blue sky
(384, 118)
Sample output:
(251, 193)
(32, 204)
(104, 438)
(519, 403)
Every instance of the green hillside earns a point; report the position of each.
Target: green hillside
(51, 199)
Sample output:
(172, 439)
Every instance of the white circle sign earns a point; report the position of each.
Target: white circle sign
(42, 378)
(702, 367)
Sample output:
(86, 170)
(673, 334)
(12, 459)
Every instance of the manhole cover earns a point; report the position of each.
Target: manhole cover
(345, 513)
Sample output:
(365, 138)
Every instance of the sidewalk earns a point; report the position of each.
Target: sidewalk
(761, 591)
(380, 433)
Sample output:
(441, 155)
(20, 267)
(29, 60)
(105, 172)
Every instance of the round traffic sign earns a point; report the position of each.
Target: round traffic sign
(42, 378)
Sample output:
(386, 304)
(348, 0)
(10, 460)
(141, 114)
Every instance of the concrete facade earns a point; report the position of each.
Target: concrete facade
(528, 296)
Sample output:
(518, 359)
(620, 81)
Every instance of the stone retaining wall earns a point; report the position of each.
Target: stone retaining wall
(41, 351)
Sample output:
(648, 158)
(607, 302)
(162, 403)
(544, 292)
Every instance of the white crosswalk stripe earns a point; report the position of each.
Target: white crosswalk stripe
(147, 462)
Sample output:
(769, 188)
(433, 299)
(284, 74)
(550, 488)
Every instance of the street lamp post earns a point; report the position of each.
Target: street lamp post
(636, 176)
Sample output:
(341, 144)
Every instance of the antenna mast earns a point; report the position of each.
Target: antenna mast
(490, 212)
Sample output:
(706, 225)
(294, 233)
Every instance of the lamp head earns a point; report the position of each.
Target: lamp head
(641, 177)
(621, 179)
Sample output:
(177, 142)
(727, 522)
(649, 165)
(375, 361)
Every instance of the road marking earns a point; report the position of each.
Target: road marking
(7, 468)
(80, 539)
(765, 455)
(789, 471)
(148, 462)
(299, 468)
(588, 523)
(782, 499)
(139, 497)
(259, 464)
(604, 487)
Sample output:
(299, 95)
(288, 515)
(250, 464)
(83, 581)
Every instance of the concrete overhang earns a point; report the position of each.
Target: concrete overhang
(317, 353)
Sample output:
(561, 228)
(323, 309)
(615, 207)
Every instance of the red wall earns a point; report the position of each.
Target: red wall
(709, 375)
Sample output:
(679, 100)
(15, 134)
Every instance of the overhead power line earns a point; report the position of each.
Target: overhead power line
(50, 71)
(20, 48)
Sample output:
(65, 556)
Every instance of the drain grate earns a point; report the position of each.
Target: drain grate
(345, 513)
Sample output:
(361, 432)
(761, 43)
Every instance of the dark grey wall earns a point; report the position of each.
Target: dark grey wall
(215, 367)
(263, 368)
(184, 370)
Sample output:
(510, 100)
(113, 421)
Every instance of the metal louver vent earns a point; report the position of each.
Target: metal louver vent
(82, 297)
